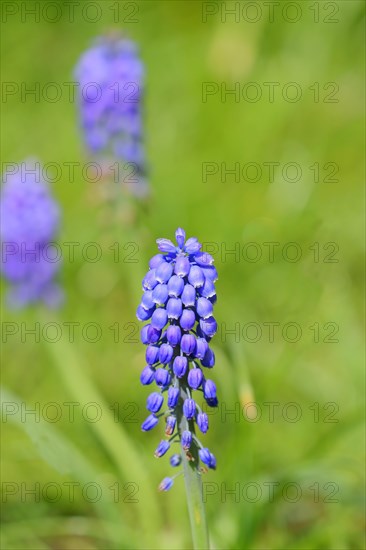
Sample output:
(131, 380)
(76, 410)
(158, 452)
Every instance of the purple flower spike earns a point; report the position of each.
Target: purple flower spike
(179, 299)
(30, 219)
(110, 76)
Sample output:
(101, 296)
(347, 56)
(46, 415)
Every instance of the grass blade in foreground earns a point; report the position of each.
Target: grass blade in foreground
(113, 436)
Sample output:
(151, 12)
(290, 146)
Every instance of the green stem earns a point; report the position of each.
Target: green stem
(194, 491)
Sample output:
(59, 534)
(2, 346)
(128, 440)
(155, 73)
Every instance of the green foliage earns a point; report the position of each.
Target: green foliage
(317, 377)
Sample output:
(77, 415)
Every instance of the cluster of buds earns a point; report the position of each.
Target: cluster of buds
(179, 295)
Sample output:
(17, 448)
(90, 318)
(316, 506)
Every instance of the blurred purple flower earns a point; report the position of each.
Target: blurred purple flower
(110, 77)
(29, 222)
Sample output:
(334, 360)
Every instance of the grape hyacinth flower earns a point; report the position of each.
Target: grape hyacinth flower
(30, 220)
(177, 306)
(110, 77)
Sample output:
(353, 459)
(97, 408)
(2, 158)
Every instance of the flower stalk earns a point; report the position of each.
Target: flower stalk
(194, 490)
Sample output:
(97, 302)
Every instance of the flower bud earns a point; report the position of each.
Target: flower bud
(170, 425)
(162, 377)
(173, 397)
(195, 377)
(162, 448)
(154, 402)
(186, 440)
(149, 423)
(180, 364)
(189, 408)
(202, 422)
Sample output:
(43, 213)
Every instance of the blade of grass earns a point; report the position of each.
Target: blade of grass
(116, 441)
(64, 457)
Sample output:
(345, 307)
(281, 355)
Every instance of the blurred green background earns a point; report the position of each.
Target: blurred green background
(317, 378)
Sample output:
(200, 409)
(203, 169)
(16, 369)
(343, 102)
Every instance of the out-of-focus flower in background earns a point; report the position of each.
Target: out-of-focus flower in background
(30, 218)
(110, 77)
